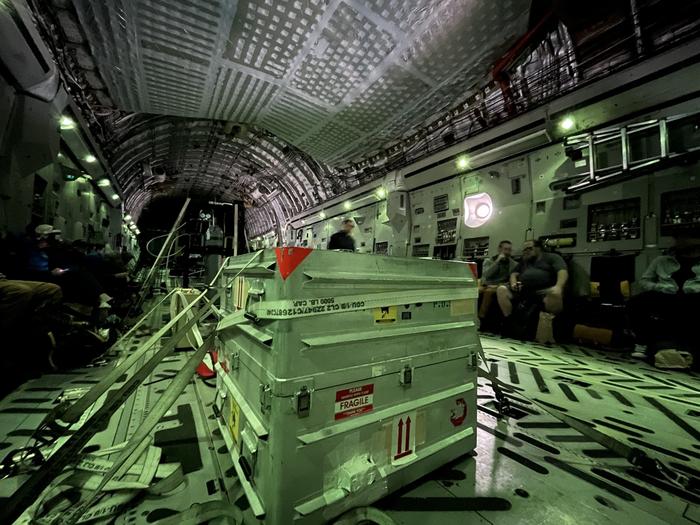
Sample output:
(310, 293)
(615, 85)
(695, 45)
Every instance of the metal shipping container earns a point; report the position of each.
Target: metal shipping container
(345, 377)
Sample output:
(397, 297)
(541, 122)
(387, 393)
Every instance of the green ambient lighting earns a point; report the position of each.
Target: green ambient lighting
(462, 162)
(567, 124)
(66, 122)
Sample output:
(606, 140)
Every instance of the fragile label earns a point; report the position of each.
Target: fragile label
(354, 401)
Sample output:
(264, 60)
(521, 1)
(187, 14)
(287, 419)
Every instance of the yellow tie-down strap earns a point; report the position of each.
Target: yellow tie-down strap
(291, 308)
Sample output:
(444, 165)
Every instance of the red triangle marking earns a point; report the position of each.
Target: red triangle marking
(289, 258)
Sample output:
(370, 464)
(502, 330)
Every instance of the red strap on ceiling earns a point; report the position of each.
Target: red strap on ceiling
(289, 258)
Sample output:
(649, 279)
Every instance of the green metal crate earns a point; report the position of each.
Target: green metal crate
(345, 377)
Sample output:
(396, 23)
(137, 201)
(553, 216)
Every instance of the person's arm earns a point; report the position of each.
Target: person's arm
(649, 280)
(559, 266)
(514, 279)
(562, 277)
(489, 268)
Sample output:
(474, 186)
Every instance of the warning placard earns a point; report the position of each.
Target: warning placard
(234, 419)
(385, 314)
(354, 401)
(403, 438)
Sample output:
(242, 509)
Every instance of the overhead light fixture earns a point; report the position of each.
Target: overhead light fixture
(462, 162)
(381, 192)
(347, 205)
(567, 124)
(90, 158)
(103, 183)
(322, 214)
(127, 217)
(60, 155)
(66, 122)
(137, 231)
(115, 197)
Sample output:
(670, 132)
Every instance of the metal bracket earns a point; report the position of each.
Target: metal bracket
(303, 402)
(235, 361)
(406, 376)
(265, 398)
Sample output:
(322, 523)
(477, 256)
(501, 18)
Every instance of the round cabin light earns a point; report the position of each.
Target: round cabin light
(103, 183)
(381, 192)
(347, 205)
(115, 197)
(127, 217)
(478, 209)
(90, 158)
(462, 162)
(483, 211)
(567, 124)
(322, 214)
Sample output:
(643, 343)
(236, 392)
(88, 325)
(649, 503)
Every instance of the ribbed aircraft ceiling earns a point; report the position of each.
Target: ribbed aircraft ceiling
(337, 79)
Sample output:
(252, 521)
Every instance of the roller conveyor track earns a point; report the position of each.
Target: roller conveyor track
(529, 469)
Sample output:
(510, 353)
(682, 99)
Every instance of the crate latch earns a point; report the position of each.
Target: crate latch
(303, 402)
(265, 398)
(406, 375)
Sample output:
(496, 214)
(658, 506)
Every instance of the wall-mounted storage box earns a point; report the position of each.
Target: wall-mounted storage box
(614, 221)
(680, 212)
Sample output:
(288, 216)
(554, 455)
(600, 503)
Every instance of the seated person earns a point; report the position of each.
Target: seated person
(49, 259)
(670, 294)
(495, 271)
(540, 276)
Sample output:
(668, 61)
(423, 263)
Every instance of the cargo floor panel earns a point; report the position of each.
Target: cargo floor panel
(530, 469)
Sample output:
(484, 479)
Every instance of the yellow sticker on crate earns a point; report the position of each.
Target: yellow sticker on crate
(234, 419)
(385, 314)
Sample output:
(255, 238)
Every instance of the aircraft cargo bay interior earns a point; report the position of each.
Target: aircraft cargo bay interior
(349, 262)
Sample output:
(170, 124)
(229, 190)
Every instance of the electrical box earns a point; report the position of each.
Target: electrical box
(345, 377)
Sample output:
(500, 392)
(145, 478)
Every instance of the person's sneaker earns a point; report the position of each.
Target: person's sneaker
(640, 352)
(672, 359)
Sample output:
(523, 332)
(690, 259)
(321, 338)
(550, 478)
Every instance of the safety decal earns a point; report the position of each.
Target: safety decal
(289, 258)
(385, 314)
(403, 438)
(234, 419)
(354, 401)
(459, 412)
(291, 308)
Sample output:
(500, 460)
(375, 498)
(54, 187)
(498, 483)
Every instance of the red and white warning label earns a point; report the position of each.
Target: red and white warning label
(354, 401)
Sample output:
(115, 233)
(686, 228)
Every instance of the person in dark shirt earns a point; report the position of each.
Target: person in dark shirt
(539, 274)
(342, 240)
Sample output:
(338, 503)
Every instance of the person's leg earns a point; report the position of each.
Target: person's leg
(505, 300)
(43, 295)
(553, 303)
(486, 295)
(15, 298)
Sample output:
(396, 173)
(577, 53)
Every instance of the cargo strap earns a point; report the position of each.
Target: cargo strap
(135, 446)
(27, 492)
(635, 456)
(293, 308)
(51, 506)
